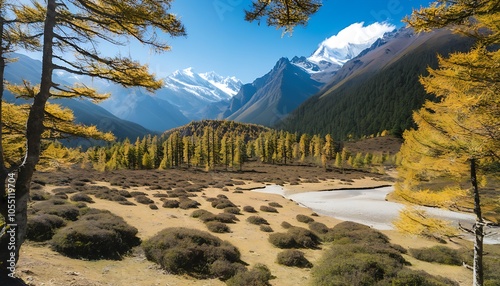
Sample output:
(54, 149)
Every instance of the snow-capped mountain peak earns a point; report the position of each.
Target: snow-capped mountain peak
(230, 85)
(349, 43)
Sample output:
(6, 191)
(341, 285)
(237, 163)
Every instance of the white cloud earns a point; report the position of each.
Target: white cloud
(357, 33)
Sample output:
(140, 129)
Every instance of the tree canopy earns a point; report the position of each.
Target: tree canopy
(459, 136)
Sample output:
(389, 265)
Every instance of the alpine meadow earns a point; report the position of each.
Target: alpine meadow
(250, 142)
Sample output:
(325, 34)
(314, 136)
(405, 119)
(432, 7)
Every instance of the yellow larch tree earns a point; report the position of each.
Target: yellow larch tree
(458, 136)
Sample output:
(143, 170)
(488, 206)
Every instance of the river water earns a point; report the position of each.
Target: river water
(369, 207)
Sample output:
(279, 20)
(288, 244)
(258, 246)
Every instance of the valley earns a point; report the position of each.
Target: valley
(253, 244)
(357, 152)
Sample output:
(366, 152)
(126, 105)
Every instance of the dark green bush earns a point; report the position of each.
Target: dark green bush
(58, 207)
(292, 257)
(355, 232)
(286, 225)
(222, 203)
(153, 206)
(217, 227)
(124, 193)
(282, 240)
(142, 199)
(353, 264)
(126, 203)
(259, 275)
(256, 220)
(275, 205)
(43, 226)
(186, 203)
(318, 227)
(226, 218)
(39, 195)
(81, 197)
(137, 193)
(265, 228)
(249, 209)
(438, 254)
(224, 269)
(170, 204)
(232, 210)
(96, 235)
(295, 237)
(411, 277)
(61, 196)
(268, 209)
(304, 218)
(105, 193)
(66, 190)
(199, 213)
(194, 252)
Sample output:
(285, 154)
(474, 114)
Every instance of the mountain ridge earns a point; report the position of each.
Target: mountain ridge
(376, 91)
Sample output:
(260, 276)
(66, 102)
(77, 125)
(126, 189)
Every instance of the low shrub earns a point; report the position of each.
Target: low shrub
(171, 204)
(58, 207)
(224, 269)
(304, 218)
(355, 232)
(199, 213)
(354, 264)
(43, 226)
(137, 193)
(295, 237)
(226, 218)
(217, 227)
(124, 193)
(232, 210)
(186, 203)
(142, 199)
(81, 197)
(275, 205)
(96, 235)
(259, 275)
(268, 209)
(126, 203)
(439, 254)
(265, 228)
(222, 203)
(194, 252)
(256, 220)
(66, 190)
(39, 195)
(249, 209)
(411, 277)
(61, 196)
(318, 227)
(153, 206)
(286, 225)
(292, 257)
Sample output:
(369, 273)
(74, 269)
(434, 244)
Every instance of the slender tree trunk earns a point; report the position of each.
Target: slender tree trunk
(34, 129)
(478, 229)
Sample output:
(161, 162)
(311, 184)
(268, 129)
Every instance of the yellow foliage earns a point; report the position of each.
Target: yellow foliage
(447, 197)
(58, 124)
(416, 222)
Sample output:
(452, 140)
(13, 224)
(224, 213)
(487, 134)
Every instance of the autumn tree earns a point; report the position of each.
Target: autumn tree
(284, 14)
(459, 136)
(70, 32)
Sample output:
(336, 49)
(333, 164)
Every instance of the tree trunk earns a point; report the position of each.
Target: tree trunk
(478, 229)
(14, 237)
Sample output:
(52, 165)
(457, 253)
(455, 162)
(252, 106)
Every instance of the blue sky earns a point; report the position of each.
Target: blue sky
(219, 39)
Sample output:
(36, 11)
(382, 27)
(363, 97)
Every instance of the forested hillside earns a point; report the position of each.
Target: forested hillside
(380, 97)
(211, 144)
